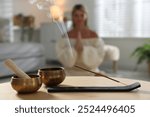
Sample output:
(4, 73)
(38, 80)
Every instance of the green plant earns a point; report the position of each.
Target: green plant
(142, 53)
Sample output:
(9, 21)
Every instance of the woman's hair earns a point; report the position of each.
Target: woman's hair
(80, 7)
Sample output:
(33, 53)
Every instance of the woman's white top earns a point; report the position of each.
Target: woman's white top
(91, 57)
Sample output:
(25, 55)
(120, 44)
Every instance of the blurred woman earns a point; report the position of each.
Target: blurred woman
(87, 48)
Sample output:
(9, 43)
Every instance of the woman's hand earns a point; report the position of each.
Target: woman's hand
(78, 45)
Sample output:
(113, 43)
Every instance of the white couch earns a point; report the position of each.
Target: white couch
(112, 53)
(28, 56)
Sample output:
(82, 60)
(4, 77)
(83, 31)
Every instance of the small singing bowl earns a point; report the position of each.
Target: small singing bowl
(52, 76)
(24, 85)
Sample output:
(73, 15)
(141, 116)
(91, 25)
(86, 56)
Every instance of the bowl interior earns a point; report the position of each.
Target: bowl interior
(51, 69)
(32, 76)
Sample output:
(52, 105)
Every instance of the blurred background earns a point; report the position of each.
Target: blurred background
(123, 23)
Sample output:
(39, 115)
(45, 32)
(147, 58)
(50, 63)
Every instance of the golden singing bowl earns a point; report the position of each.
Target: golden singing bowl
(52, 76)
(24, 85)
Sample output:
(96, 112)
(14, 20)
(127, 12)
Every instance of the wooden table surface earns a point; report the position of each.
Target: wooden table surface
(7, 93)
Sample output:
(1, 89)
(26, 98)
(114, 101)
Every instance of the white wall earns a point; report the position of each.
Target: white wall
(23, 6)
(127, 46)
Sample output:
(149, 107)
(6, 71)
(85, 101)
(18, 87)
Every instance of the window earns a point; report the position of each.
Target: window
(6, 8)
(122, 18)
(6, 33)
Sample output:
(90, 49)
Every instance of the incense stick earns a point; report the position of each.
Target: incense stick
(99, 74)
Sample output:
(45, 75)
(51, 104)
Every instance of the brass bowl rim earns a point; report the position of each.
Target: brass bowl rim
(50, 69)
(31, 75)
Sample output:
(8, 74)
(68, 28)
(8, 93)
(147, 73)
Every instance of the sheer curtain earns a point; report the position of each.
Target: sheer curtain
(122, 18)
(6, 12)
